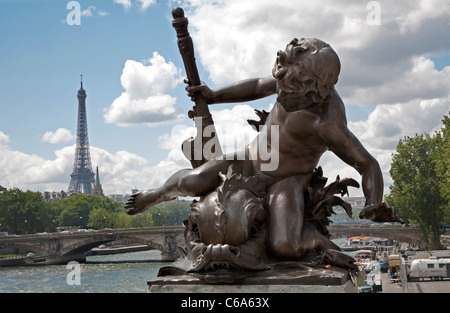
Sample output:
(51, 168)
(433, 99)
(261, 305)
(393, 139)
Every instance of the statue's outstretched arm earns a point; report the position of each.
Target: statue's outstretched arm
(348, 148)
(241, 91)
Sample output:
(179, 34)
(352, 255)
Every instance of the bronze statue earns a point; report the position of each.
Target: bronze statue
(250, 213)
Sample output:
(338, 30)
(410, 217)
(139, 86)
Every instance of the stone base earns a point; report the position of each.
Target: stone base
(282, 279)
(347, 287)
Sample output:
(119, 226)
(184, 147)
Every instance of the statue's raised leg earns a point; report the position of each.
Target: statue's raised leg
(289, 237)
(184, 183)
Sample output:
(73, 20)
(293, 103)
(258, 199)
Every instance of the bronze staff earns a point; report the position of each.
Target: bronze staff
(200, 112)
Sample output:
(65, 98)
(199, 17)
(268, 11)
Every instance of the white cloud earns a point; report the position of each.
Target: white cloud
(61, 135)
(146, 3)
(389, 123)
(237, 39)
(126, 3)
(4, 139)
(88, 11)
(119, 172)
(420, 80)
(412, 20)
(29, 171)
(145, 100)
(142, 4)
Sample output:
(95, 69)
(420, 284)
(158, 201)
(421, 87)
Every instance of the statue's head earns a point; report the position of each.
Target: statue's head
(306, 72)
(224, 223)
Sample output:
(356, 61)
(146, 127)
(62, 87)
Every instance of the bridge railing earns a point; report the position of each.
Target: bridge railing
(170, 229)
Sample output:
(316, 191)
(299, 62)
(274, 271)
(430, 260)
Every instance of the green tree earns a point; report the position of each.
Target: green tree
(170, 213)
(415, 191)
(441, 159)
(25, 212)
(100, 218)
(76, 210)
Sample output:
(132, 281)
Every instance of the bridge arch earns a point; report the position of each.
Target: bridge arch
(88, 244)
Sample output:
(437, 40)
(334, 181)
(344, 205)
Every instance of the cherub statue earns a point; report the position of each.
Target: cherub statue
(310, 117)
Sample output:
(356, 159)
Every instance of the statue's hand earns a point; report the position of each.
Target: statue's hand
(202, 89)
(380, 213)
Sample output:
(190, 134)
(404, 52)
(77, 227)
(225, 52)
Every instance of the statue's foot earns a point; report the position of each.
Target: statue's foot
(142, 201)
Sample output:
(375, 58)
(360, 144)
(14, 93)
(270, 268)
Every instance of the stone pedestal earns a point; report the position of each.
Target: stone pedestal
(347, 287)
(276, 280)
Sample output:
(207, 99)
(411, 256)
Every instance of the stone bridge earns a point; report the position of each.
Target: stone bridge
(58, 248)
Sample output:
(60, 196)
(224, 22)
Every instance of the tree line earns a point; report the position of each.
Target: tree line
(26, 212)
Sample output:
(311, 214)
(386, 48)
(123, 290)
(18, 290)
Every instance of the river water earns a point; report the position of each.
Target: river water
(116, 273)
(126, 272)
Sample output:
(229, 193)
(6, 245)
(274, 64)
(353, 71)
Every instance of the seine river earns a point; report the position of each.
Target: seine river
(116, 273)
(127, 272)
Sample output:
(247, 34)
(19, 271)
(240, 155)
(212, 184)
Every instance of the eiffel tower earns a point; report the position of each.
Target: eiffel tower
(82, 177)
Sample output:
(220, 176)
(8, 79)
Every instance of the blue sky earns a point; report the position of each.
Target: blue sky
(394, 79)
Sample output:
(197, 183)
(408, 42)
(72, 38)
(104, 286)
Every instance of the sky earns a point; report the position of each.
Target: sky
(394, 80)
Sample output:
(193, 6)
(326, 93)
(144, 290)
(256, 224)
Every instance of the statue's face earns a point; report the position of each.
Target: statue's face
(288, 64)
(295, 51)
(305, 70)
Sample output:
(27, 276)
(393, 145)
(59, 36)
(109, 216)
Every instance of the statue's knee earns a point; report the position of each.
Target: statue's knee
(195, 184)
(285, 250)
(188, 184)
